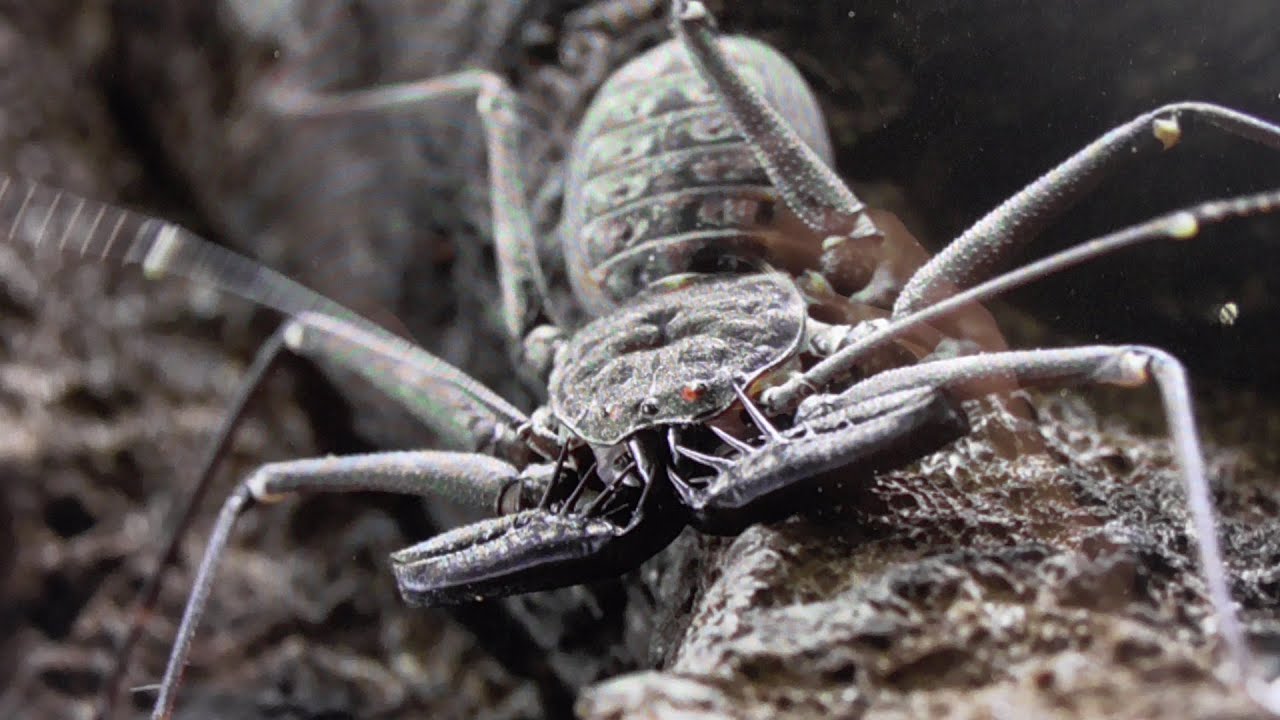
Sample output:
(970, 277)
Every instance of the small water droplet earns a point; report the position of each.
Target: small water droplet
(1228, 313)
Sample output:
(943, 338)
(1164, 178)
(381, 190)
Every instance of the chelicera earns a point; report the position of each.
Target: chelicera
(739, 326)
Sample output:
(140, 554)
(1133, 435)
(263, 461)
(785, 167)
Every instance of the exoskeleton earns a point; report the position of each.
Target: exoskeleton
(740, 327)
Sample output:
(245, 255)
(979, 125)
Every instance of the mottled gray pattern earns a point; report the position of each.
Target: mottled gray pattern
(467, 563)
(637, 368)
(659, 177)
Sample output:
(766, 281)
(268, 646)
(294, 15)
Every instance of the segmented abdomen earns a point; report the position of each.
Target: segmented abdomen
(659, 180)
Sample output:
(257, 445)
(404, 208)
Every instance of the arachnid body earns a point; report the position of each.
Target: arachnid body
(702, 393)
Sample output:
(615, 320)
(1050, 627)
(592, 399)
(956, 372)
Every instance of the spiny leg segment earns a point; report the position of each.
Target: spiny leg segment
(810, 188)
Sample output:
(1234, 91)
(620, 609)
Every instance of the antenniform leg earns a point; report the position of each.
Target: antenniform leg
(975, 254)
(1181, 225)
(443, 397)
(53, 220)
(523, 283)
(476, 480)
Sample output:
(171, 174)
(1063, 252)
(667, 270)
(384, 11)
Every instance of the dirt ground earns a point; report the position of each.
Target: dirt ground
(1055, 582)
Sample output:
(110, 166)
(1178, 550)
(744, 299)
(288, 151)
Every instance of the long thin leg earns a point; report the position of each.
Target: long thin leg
(389, 364)
(54, 220)
(807, 185)
(1125, 366)
(1180, 225)
(445, 398)
(473, 479)
(261, 367)
(523, 283)
(441, 396)
(1016, 221)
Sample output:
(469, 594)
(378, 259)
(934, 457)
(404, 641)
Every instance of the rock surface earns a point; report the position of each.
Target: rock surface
(1003, 577)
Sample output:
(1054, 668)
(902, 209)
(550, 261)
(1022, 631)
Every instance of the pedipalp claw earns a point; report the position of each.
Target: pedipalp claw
(778, 478)
(528, 551)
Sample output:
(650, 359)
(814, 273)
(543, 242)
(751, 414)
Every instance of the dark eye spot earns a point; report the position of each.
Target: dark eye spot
(649, 407)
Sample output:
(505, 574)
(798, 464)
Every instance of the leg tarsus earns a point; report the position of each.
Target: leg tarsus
(1016, 221)
(1171, 379)
(196, 601)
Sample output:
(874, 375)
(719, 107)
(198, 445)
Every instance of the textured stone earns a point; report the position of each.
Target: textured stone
(1034, 569)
